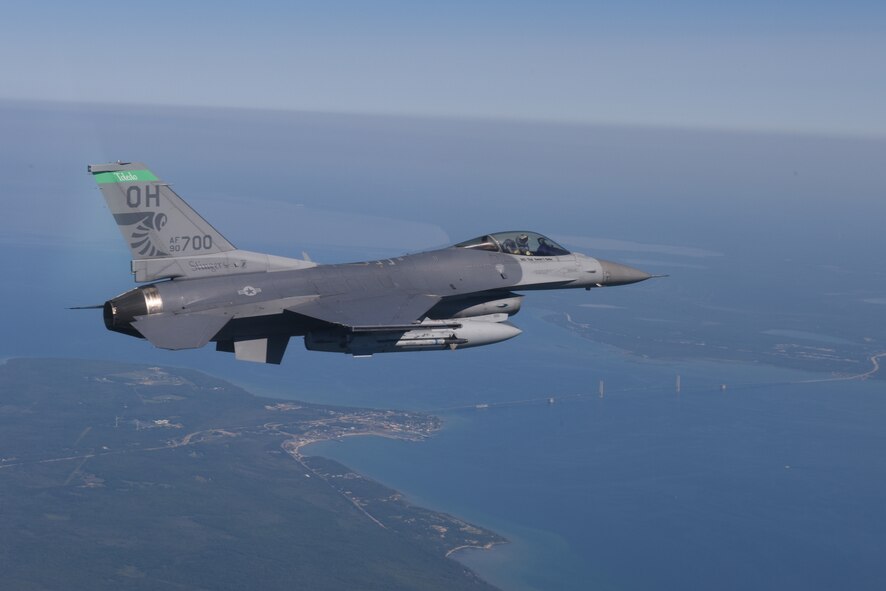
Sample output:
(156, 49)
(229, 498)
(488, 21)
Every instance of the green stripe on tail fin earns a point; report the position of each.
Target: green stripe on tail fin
(125, 176)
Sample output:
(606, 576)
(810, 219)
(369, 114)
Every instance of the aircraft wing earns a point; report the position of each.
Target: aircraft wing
(358, 311)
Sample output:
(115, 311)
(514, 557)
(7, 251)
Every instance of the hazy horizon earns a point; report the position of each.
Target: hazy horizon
(793, 65)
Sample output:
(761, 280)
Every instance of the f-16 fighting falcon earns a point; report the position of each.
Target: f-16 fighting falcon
(204, 289)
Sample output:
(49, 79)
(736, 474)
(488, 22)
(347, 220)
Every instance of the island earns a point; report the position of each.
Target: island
(126, 476)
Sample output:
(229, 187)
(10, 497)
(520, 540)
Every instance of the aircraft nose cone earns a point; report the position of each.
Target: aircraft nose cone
(616, 274)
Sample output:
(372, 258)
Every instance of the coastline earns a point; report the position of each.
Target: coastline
(184, 447)
(487, 546)
(452, 533)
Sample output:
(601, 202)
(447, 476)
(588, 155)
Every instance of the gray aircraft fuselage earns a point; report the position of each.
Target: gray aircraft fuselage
(251, 304)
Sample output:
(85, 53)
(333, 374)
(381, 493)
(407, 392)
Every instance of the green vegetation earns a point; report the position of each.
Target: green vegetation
(117, 476)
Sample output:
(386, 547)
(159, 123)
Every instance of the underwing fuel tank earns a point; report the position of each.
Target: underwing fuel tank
(431, 335)
(476, 306)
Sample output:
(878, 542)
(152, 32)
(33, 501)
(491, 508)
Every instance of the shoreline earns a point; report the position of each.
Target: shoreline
(293, 445)
(487, 546)
(875, 363)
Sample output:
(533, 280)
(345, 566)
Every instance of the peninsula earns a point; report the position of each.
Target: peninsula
(124, 476)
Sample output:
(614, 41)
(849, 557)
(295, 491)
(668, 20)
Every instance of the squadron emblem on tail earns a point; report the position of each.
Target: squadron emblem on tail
(140, 239)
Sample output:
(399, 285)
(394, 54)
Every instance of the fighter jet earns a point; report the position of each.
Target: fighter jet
(200, 288)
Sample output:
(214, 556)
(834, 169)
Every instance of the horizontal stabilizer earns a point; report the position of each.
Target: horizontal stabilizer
(179, 331)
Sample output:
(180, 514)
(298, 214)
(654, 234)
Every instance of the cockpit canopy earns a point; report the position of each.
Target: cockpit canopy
(519, 243)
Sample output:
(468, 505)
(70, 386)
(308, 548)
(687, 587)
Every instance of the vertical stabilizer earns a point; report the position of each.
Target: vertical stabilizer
(167, 238)
(154, 221)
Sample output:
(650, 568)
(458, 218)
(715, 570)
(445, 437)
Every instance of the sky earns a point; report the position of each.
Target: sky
(810, 67)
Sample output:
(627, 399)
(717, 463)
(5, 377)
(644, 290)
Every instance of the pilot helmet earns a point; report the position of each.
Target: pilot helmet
(522, 239)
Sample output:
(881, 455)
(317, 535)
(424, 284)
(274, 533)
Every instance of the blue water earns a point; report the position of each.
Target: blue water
(764, 487)
(769, 484)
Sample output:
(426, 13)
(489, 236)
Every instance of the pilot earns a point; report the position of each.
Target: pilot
(523, 245)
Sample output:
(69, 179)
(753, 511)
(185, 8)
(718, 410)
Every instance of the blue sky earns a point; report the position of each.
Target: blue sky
(795, 66)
